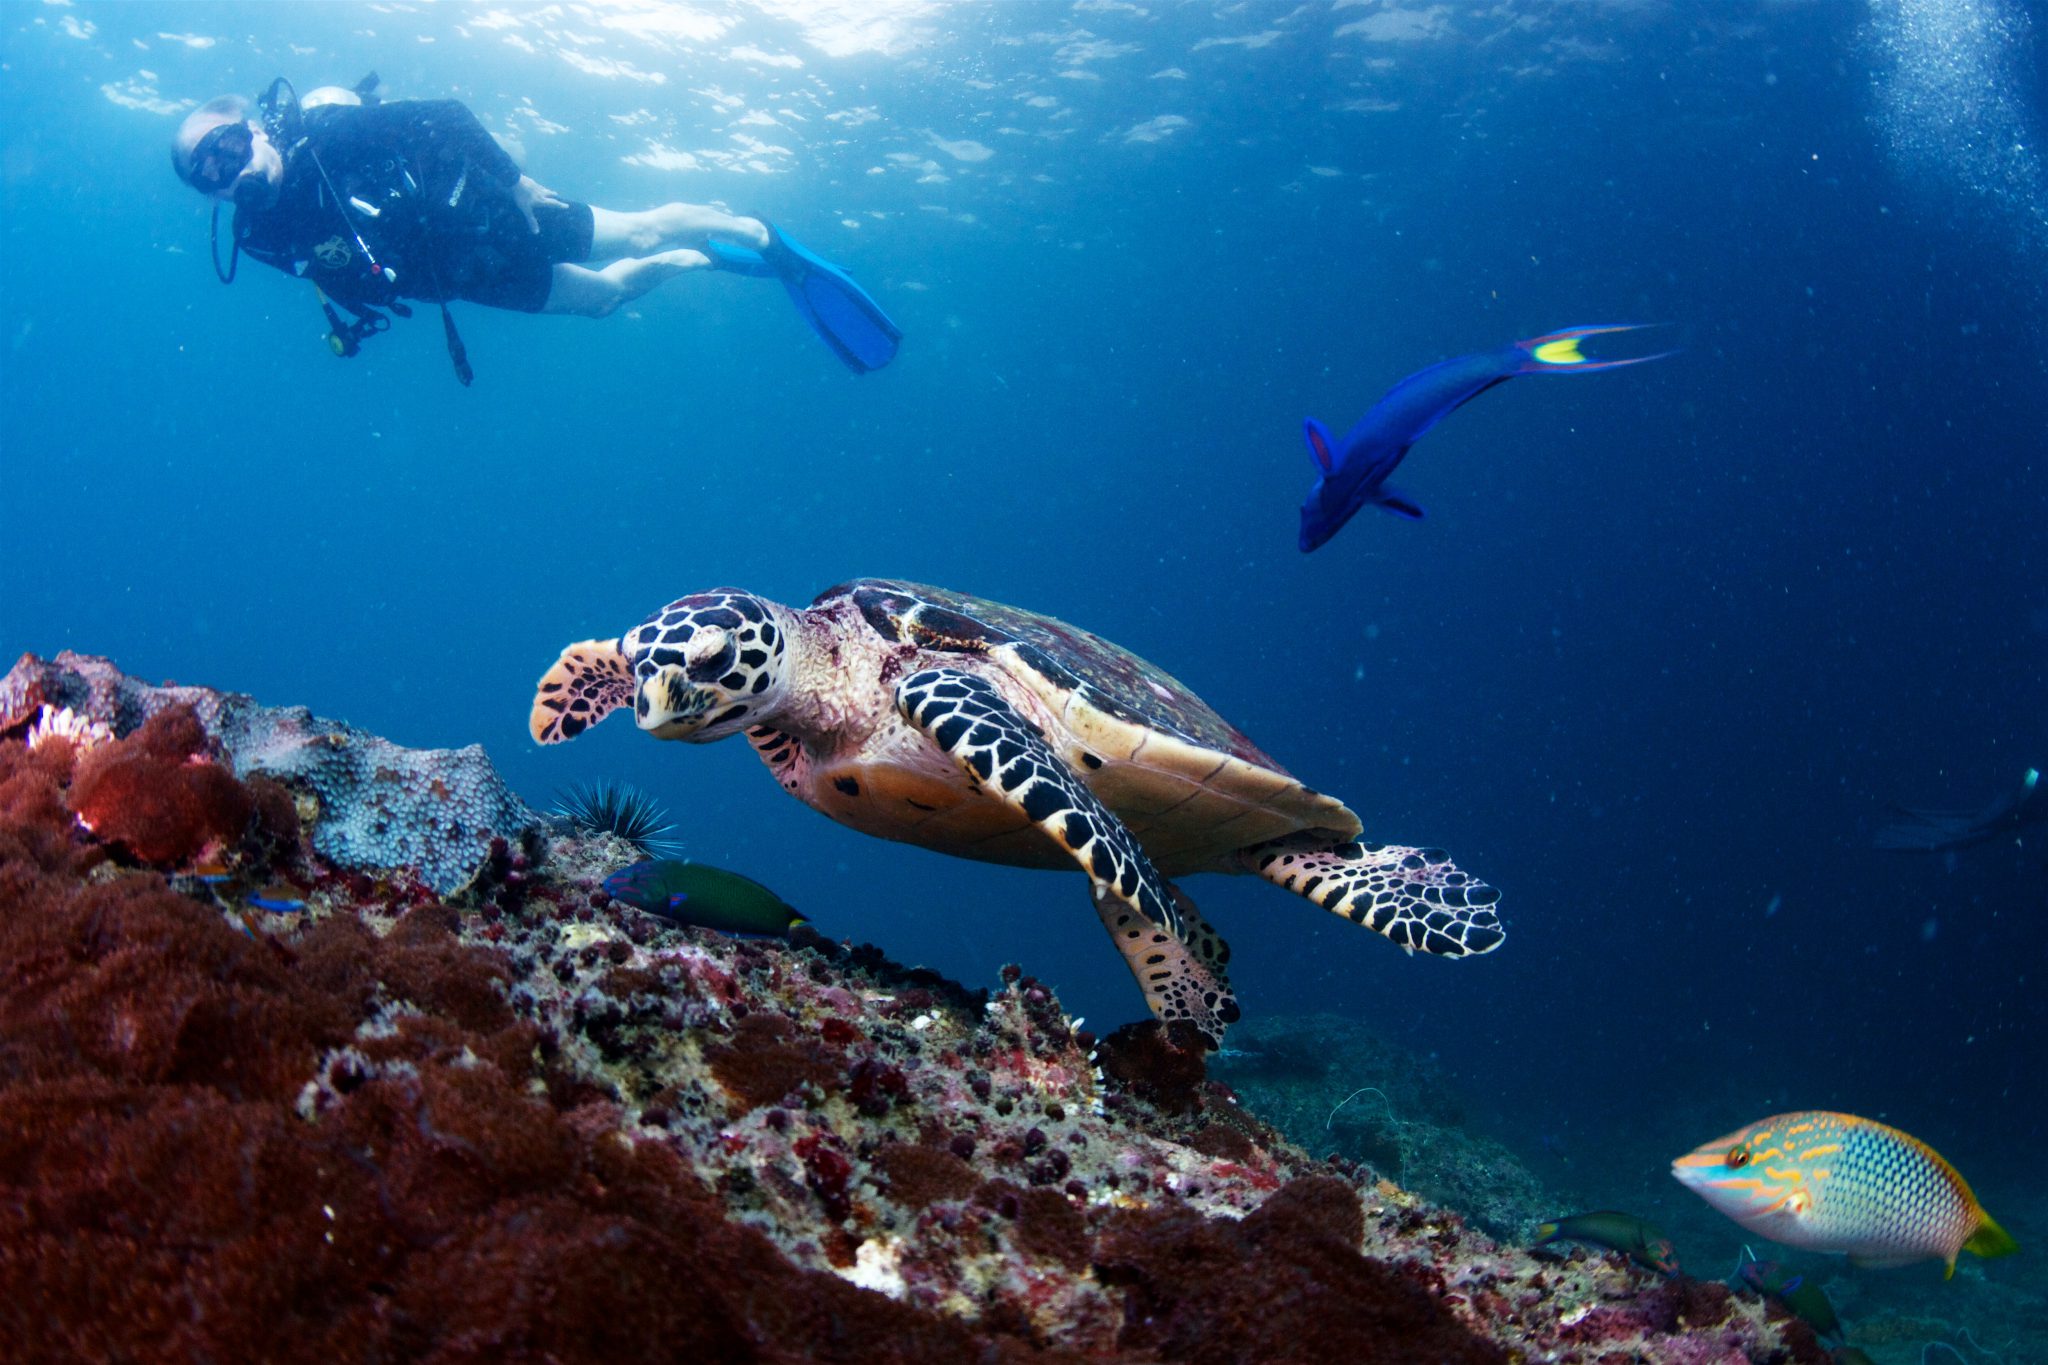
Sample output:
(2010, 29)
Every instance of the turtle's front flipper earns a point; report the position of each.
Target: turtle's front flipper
(1006, 755)
(590, 681)
(1415, 896)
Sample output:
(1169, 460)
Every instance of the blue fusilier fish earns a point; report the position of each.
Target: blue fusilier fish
(1353, 473)
(708, 897)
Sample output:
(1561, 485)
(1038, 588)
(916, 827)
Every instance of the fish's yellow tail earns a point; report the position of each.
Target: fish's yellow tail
(1991, 1240)
(1564, 351)
(1558, 352)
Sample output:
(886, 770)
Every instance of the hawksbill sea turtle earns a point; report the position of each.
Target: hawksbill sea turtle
(934, 718)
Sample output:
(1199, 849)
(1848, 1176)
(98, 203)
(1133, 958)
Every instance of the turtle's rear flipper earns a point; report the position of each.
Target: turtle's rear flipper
(1180, 980)
(1415, 896)
(590, 681)
(1006, 756)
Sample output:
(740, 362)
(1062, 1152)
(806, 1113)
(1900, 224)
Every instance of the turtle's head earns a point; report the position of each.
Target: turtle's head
(707, 666)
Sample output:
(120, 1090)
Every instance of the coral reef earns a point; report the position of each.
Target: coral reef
(525, 1122)
(372, 805)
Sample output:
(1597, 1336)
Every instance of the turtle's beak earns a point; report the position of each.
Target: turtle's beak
(669, 706)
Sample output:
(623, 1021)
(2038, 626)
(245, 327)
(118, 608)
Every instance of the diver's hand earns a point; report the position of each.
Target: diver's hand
(530, 192)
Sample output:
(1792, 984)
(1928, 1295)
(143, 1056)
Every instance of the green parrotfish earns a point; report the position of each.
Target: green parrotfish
(704, 896)
(1823, 1181)
(1642, 1242)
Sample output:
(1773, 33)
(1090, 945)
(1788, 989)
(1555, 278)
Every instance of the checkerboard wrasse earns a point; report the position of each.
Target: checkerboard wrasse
(1835, 1182)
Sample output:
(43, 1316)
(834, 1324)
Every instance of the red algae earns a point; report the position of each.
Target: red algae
(763, 1064)
(1285, 1284)
(1161, 1064)
(916, 1176)
(158, 794)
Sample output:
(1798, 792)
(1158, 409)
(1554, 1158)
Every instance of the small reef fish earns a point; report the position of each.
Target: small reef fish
(1801, 1297)
(1823, 1181)
(708, 897)
(278, 898)
(1353, 473)
(1644, 1243)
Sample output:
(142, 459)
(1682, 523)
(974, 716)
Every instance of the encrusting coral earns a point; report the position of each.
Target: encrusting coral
(524, 1122)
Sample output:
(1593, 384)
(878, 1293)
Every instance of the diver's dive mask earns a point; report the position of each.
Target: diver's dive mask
(221, 156)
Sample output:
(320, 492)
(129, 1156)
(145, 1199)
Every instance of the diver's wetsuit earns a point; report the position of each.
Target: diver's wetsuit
(430, 191)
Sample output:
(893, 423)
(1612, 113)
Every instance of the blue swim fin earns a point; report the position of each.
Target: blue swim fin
(737, 259)
(838, 310)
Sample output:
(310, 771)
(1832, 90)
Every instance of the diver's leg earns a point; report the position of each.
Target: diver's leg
(594, 293)
(614, 233)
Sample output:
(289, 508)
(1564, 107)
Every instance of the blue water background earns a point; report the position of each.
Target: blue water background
(1669, 642)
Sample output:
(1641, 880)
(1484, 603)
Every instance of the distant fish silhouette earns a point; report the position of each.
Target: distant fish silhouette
(1936, 831)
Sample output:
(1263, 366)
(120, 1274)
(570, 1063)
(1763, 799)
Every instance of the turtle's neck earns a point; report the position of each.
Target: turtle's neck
(831, 679)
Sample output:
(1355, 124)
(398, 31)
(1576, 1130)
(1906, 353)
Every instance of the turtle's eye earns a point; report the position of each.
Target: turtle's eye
(716, 668)
(709, 653)
(1737, 1158)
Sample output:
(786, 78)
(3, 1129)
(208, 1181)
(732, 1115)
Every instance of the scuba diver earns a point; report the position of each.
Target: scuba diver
(375, 202)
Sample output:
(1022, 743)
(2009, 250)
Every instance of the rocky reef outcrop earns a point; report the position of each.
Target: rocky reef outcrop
(452, 1104)
(374, 806)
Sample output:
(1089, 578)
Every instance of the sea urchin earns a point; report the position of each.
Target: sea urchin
(623, 811)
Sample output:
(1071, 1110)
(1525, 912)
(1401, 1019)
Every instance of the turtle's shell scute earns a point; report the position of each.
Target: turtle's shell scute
(1110, 678)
